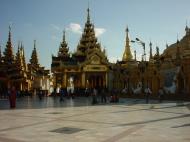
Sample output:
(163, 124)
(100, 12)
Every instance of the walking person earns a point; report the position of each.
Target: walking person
(161, 95)
(94, 96)
(147, 94)
(103, 95)
(40, 94)
(62, 92)
(12, 97)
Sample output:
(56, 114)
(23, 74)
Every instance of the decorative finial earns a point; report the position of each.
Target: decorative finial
(34, 44)
(127, 29)
(64, 35)
(135, 55)
(157, 50)
(150, 44)
(166, 44)
(9, 33)
(9, 28)
(88, 14)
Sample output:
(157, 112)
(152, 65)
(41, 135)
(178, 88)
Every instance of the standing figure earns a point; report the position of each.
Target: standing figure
(62, 92)
(103, 95)
(40, 94)
(94, 96)
(161, 95)
(147, 94)
(12, 97)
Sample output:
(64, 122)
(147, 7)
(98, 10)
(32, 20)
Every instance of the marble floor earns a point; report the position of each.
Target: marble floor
(128, 121)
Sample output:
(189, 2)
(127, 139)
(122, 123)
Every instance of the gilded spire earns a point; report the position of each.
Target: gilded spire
(88, 15)
(178, 53)
(23, 57)
(187, 30)
(9, 38)
(157, 51)
(63, 49)
(18, 58)
(34, 56)
(35, 44)
(63, 35)
(127, 56)
(9, 57)
(88, 41)
(150, 44)
(135, 55)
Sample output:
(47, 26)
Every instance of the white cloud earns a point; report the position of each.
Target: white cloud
(99, 31)
(75, 28)
(54, 37)
(55, 27)
(114, 59)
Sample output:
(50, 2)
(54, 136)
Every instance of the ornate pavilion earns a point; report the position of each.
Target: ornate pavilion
(88, 67)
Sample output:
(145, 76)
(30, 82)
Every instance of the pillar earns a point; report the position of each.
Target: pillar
(65, 80)
(83, 80)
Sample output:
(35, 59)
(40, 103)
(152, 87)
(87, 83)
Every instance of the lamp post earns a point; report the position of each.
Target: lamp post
(142, 64)
(143, 44)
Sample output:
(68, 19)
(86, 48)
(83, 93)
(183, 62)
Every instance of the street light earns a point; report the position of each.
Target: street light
(134, 50)
(142, 65)
(143, 44)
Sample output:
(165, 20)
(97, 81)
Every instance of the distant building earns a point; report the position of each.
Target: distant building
(40, 78)
(14, 71)
(88, 66)
(13, 68)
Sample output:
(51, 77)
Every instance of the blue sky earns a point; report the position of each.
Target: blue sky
(160, 21)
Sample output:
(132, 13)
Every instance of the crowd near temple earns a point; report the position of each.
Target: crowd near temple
(88, 67)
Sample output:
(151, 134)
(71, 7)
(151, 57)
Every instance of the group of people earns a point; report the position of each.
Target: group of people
(95, 93)
(148, 92)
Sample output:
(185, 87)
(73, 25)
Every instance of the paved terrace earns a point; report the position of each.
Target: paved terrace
(130, 120)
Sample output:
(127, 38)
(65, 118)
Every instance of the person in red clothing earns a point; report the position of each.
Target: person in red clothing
(12, 97)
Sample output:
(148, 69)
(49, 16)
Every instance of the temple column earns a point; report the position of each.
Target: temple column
(83, 80)
(65, 79)
(21, 88)
(106, 80)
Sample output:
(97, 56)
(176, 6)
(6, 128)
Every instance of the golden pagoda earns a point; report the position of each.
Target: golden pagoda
(127, 56)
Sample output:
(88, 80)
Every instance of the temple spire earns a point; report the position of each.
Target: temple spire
(127, 56)
(88, 15)
(63, 35)
(157, 51)
(34, 56)
(18, 58)
(135, 55)
(150, 57)
(34, 44)
(9, 56)
(23, 56)
(63, 49)
(88, 41)
(178, 53)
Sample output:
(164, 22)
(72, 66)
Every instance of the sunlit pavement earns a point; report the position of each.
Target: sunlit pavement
(76, 120)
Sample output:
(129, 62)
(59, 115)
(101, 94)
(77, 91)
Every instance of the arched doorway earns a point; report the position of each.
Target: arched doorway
(95, 80)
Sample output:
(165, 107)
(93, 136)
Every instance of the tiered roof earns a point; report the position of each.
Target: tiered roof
(88, 41)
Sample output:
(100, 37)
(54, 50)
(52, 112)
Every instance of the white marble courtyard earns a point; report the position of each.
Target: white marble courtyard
(124, 122)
